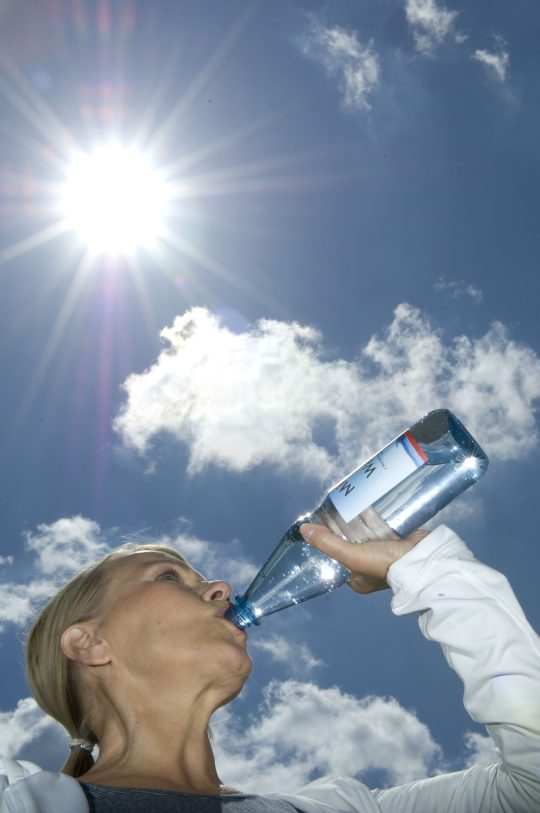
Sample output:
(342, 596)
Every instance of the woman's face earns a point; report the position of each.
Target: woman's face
(165, 630)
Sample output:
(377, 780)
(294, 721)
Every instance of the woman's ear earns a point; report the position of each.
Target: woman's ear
(80, 644)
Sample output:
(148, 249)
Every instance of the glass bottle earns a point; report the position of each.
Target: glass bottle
(389, 496)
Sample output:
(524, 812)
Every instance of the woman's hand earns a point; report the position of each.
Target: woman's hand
(368, 561)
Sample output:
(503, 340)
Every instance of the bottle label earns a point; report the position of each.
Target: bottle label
(375, 478)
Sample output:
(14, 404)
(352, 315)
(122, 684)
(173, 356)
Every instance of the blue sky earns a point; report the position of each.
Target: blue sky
(352, 242)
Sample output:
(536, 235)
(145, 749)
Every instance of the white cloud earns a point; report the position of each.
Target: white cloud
(459, 288)
(284, 747)
(341, 54)
(238, 400)
(495, 62)
(57, 550)
(19, 602)
(431, 24)
(20, 727)
(68, 544)
(5, 561)
(481, 750)
(298, 657)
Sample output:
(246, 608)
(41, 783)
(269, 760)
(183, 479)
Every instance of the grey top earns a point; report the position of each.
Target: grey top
(103, 799)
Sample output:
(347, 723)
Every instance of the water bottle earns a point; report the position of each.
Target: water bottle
(387, 497)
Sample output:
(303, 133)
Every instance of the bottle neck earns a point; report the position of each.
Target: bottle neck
(241, 613)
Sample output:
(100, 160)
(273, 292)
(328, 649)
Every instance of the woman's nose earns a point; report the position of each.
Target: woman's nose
(217, 591)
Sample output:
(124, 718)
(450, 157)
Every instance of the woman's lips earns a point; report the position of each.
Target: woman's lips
(221, 614)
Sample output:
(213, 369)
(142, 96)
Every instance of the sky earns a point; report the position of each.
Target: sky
(349, 240)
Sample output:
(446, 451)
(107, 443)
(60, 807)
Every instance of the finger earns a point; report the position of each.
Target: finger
(327, 542)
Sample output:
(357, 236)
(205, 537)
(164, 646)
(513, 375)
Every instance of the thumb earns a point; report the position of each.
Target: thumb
(327, 542)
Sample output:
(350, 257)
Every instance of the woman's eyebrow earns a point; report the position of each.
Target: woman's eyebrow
(172, 563)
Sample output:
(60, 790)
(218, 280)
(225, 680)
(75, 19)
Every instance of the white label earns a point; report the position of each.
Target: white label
(376, 477)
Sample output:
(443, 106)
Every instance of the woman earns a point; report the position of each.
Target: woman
(135, 655)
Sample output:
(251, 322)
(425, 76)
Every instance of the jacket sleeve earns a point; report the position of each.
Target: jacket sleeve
(471, 611)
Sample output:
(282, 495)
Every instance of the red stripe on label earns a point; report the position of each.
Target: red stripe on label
(420, 452)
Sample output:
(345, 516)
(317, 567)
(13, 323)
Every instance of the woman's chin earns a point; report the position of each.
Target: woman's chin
(238, 678)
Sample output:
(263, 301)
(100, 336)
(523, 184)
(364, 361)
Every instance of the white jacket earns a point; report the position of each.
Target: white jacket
(472, 612)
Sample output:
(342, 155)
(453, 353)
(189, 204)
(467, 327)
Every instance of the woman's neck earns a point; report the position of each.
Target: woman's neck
(157, 752)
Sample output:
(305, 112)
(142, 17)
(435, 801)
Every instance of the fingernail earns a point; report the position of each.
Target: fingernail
(307, 530)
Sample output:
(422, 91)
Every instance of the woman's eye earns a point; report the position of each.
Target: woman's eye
(169, 575)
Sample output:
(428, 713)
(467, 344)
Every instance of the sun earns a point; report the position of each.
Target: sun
(114, 199)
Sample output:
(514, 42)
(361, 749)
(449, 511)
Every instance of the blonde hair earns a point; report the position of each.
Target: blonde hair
(51, 675)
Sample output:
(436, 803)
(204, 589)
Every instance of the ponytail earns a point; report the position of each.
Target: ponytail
(79, 762)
